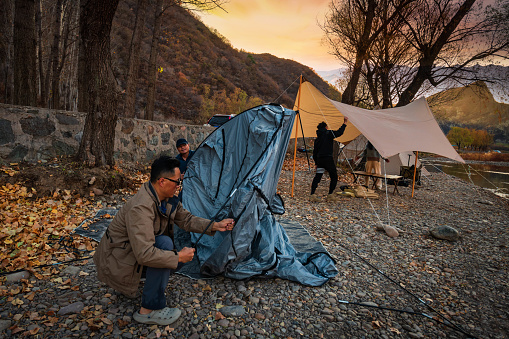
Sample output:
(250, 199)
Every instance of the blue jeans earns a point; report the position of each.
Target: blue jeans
(153, 297)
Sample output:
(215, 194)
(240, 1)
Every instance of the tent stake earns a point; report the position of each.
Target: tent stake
(296, 131)
(415, 171)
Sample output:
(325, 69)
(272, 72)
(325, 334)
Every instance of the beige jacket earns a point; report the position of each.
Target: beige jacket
(128, 243)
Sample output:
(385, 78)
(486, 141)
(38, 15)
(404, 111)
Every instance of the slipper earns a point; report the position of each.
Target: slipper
(162, 317)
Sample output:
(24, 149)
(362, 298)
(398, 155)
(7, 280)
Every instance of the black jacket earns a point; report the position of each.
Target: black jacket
(323, 146)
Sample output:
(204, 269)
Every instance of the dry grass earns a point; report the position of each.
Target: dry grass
(489, 156)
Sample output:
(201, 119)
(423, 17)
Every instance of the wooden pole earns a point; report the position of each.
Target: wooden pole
(296, 131)
(415, 171)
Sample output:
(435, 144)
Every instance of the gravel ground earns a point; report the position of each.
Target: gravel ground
(465, 281)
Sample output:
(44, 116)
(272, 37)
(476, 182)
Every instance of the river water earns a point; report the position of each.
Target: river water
(493, 177)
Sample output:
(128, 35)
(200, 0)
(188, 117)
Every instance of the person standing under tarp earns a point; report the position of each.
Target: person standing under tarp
(322, 155)
(373, 164)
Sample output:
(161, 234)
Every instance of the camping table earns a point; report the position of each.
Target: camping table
(375, 177)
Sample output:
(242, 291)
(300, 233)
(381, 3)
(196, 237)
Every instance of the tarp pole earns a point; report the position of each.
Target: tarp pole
(415, 171)
(305, 146)
(296, 130)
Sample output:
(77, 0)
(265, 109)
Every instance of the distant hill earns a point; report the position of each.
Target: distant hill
(198, 64)
(471, 106)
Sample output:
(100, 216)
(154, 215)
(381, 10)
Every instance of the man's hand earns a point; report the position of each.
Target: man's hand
(223, 225)
(346, 120)
(186, 254)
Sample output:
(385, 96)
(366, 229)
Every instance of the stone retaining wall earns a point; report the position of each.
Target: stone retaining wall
(32, 134)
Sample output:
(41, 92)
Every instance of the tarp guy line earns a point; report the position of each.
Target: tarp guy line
(396, 283)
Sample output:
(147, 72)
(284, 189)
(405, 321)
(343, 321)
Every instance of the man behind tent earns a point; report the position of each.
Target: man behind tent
(322, 155)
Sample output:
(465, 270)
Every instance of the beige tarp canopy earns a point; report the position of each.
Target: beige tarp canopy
(391, 131)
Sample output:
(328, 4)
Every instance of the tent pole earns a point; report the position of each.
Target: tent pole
(415, 171)
(296, 131)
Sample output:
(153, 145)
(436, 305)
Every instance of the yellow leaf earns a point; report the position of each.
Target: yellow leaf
(17, 302)
(8, 241)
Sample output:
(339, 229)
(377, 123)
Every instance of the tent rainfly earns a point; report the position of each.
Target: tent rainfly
(234, 173)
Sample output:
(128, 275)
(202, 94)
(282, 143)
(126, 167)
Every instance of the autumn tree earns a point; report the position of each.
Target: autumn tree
(221, 103)
(25, 80)
(134, 59)
(98, 81)
(427, 43)
(461, 137)
(481, 139)
(351, 27)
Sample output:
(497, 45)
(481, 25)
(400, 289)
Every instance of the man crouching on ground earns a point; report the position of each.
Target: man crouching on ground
(139, 240)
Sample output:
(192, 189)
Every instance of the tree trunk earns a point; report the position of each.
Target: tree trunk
(134, 60)
(25, 79)
(362, 48)
(97, 143)
(68, 64)
(152, 66)
(40, 57)
(55, 74)
(83, 96)
(6, 15)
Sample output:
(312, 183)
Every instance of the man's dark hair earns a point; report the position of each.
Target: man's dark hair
(321, 125)
(162, 165)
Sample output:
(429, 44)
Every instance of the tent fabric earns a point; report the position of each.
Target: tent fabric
(299, 237)
(391, 131)
(314, 107)
(395, 162)
(234, 173)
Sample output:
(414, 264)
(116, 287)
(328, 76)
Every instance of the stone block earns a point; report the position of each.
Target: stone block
(18, 153)
(61, 148)
(65, 119)
(37, 127)
(165, 138)
(6, 133)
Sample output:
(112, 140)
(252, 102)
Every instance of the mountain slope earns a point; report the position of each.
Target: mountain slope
(472, 106)
(198, 64)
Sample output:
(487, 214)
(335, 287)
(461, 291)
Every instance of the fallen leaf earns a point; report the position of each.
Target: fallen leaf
(15, 329)
(34, 330)
(395, 330)
(17, 301)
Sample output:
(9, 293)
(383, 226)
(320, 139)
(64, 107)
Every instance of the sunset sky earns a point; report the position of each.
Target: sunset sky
(284, 28)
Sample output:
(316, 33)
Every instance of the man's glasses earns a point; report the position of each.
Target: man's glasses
(178, 182)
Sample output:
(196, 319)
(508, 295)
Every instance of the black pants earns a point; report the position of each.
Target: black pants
(327, 164)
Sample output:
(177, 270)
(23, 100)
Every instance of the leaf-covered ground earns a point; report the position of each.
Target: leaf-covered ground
(41, 204)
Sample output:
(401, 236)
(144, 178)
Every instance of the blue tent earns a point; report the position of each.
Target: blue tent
(234, 173)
